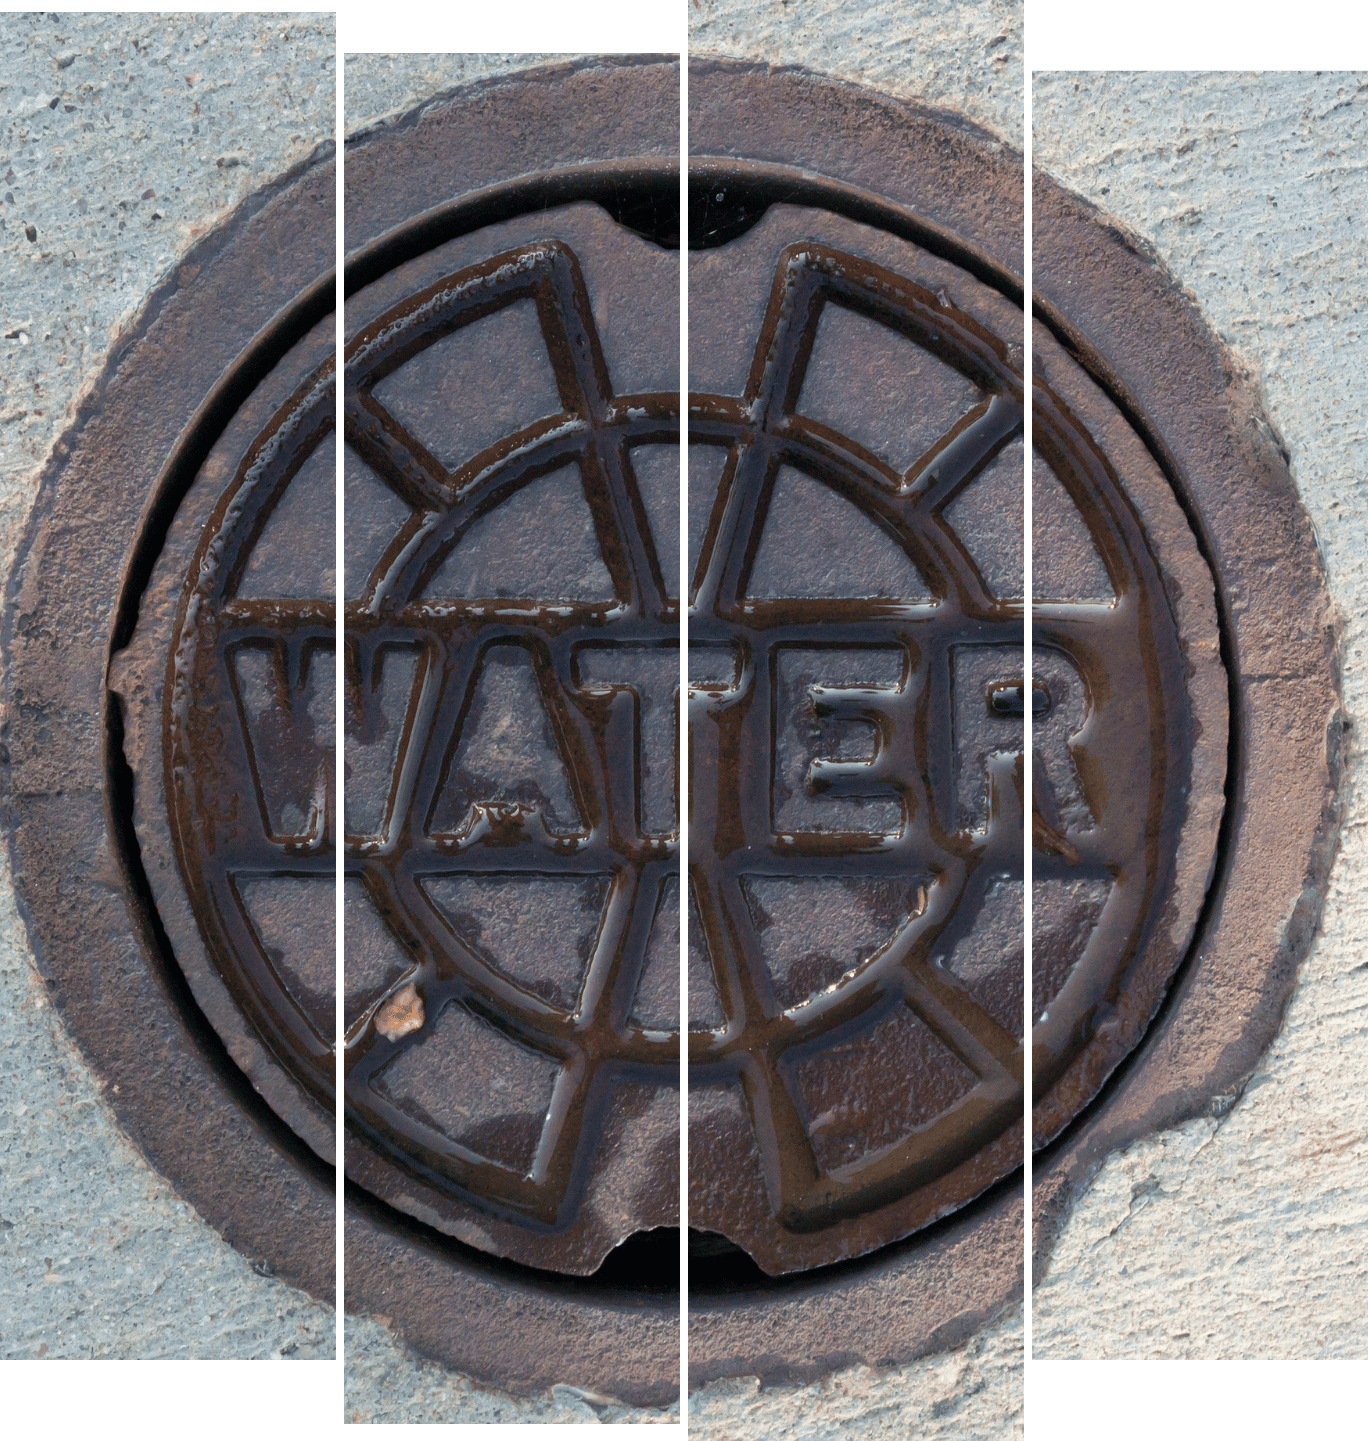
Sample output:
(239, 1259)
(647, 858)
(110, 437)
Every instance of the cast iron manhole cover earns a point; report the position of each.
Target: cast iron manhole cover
(855, 715)
(855, 712)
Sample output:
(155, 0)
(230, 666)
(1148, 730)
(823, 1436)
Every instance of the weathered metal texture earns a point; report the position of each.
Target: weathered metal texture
(957, 195)
(104, 500)
(1198, 409)
(1185, 698)
(512, 679)
(496, 157)
(891, 878)
(512, 822)
(855, 718)
(228, 686)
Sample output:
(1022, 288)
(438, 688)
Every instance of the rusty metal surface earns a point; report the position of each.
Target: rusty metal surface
(231, 739)
(513, 661)
(580, 139)
(842, 877)
(855, 700)
(855, 718)
(1180, 602)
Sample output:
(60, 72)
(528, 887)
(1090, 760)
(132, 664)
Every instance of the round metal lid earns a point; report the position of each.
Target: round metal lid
(855, 715)
(883, 1086)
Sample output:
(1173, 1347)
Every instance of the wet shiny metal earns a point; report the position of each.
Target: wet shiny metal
(172, 822)
(851, 1092)
(887, 1092)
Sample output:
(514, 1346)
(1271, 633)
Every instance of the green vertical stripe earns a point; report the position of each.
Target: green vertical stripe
(339, 672)
(684, 739)
(1028, 801)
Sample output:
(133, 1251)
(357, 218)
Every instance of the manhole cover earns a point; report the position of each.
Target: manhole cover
(855, 708)
(856, 699)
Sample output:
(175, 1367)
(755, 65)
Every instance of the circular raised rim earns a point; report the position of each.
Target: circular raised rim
(1220, 1014)
(807, 275)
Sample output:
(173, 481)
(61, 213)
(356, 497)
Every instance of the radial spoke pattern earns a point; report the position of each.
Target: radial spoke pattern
(249, 758)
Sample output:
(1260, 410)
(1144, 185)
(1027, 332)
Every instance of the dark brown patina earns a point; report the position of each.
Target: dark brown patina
(876, 1037)
(855, 708)
(508, 571)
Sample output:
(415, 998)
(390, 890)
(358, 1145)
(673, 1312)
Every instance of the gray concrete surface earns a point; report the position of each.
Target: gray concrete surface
(1238, 1237)
(962, 55)
(123, 139)
(1248, 1236)
(378, 87)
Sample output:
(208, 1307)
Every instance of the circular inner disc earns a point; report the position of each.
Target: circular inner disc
(856, 706)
